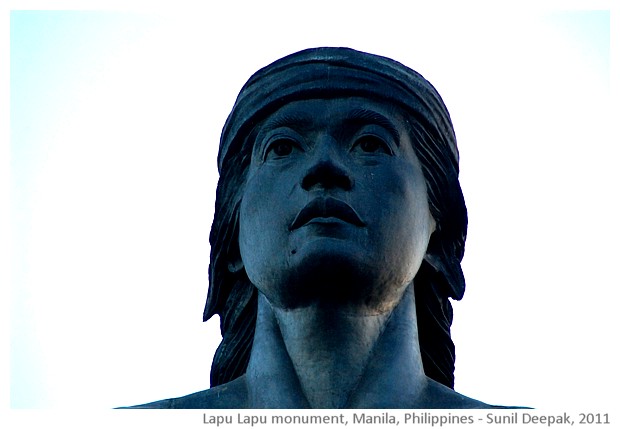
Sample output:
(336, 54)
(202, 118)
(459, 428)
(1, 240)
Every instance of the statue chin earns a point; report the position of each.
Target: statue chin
(331, 277)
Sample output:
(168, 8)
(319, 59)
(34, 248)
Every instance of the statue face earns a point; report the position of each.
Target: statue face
(335, 209)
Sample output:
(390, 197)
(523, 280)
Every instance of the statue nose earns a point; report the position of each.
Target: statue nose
(326, 173)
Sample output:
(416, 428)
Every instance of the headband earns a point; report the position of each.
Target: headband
(330, 73)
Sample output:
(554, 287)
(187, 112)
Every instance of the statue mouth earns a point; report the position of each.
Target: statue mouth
(323, 208)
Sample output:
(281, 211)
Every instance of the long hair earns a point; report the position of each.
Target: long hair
(328, 73)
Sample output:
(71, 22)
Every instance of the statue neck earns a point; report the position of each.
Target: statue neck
(323, 357)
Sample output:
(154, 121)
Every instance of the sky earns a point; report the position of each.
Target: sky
(115, 119)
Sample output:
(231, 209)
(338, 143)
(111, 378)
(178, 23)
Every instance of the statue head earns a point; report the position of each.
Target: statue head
(336, 86)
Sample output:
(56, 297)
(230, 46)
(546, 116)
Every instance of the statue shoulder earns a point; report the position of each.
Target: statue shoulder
(439, 396)
(229, 395)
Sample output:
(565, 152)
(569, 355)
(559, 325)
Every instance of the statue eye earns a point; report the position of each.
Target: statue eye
(372, 144)
(280, 147)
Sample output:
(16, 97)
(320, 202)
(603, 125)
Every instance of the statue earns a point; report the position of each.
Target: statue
(336, 244)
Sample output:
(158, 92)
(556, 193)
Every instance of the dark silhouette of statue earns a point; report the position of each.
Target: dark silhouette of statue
(337, 239)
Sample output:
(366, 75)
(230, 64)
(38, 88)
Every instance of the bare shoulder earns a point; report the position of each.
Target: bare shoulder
(229, 395)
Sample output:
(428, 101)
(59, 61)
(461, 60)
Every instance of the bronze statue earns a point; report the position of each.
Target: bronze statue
(336, 244)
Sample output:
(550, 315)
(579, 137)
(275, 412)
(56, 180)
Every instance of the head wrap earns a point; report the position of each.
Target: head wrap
(336, 72)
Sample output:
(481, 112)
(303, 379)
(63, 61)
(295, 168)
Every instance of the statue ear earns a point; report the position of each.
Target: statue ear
(433, 222)
(449, 275)
(233, 253)
(235, 265)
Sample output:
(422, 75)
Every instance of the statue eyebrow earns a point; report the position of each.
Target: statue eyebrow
(294, 120)
(355, 118)
(362, 116)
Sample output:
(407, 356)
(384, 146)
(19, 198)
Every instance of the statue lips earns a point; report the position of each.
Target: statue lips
(326, 207)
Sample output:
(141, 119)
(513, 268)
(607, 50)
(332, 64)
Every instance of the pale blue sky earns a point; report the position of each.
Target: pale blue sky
(115, 121)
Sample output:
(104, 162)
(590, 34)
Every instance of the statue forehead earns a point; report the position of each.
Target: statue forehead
(336, 108)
